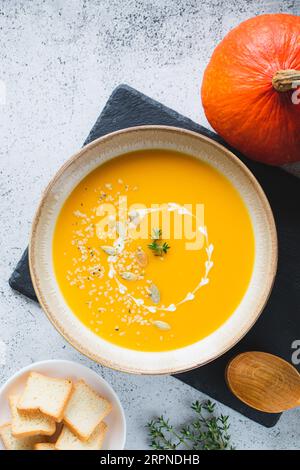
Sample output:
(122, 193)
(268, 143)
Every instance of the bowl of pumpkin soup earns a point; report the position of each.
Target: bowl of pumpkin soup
(153, 250)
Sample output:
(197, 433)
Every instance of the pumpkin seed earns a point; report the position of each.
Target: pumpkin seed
(141, 257)
(109, 250)
(162, 325)
(154, 294)
(127, 276)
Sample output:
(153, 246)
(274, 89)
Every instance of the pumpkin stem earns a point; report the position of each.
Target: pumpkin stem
(285, 80)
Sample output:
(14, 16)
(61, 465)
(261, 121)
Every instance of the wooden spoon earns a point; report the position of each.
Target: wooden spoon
(264, 381)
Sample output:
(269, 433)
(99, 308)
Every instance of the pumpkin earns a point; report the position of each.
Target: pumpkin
(249, 89)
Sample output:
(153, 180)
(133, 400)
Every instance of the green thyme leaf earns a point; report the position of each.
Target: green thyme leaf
(206, 432)
(158, 248)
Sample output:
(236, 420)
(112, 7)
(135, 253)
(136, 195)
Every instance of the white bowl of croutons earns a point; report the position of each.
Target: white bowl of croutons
(60, 405)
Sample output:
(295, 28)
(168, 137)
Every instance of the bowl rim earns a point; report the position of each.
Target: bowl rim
(264, 294)
(68, 362)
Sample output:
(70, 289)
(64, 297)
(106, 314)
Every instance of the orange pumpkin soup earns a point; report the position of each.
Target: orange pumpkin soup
(153, 250)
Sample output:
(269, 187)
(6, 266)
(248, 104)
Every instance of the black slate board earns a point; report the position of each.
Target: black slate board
(279, 325)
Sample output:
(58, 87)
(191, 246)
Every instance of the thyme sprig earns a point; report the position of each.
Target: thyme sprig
(158, 248)
(206, 432)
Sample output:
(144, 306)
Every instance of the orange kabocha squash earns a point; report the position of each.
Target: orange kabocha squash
(249, 89)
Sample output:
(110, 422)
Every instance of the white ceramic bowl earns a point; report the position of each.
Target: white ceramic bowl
(116, 434)
(95, 154)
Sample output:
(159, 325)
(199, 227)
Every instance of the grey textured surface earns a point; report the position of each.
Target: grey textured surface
(60, 60)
